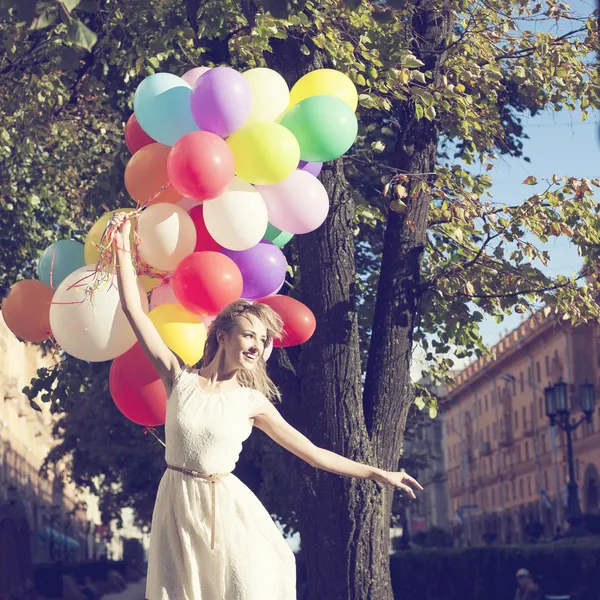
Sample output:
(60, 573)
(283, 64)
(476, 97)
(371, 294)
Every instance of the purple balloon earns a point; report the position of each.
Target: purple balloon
(314, 168)
(263, 269)
(221, 101)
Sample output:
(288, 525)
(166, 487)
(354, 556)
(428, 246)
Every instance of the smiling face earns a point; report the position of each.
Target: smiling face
(245, 343)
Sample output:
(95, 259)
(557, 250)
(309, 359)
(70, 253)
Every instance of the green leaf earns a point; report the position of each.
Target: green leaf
(45, 18)
(433, 412)
(410, 61)
(304, 49)
(430, 113)
(531, 180)
(70, 4)
(81, 35)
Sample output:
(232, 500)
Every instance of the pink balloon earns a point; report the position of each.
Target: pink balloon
(299, 204)
(207, 320)
(162, 294)
(188, 203)
(191, 76)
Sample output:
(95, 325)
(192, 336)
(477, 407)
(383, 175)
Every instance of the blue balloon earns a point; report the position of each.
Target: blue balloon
(60, 260)
(162, 107)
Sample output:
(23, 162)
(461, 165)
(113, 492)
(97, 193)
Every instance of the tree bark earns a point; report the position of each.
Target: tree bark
(344, 523)
(389, 393)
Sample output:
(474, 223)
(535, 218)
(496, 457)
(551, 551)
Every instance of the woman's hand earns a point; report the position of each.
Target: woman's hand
(400, 480)
(120, 223)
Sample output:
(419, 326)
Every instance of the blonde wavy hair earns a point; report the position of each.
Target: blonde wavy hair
(257, 377)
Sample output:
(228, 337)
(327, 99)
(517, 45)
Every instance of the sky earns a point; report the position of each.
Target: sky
(560, 143)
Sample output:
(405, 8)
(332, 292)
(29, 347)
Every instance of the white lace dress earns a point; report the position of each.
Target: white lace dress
(250, 560)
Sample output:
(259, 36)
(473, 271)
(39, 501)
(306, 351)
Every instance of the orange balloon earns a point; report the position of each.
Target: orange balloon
(146, 173)
(26, 310)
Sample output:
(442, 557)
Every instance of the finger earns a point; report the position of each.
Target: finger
(408, 490)
(414, 482)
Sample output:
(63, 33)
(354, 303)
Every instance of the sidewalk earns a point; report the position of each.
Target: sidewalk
(134, 591)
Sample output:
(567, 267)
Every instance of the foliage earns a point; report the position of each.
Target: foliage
(489, 573)
(436, 537)
(66, 95)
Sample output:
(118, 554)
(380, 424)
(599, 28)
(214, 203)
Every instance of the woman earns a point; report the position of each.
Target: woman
(209, 543)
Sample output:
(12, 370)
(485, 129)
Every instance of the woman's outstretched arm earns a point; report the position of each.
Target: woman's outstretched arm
(278, 429)
(166, 362)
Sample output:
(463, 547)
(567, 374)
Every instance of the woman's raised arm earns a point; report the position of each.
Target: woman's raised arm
(166, 362)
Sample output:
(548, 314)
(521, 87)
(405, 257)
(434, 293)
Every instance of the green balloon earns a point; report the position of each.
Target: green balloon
(277, 237)
(324, 126)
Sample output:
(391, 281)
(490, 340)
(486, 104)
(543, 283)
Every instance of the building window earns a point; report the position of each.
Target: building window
(524, 417)
(521, 488)
(493, 497)
(495, 431)
(514, 490)
(529, 486)
(484, 469)
(529, 376)
(541, 407)
(543, 443)
(479, 406)
(486, 403)
(539, 372)
(487, 433)
(522, 381)
(518, 453)
(548, 366)
(514, 386)
(516, 420)
(546, 483)
(526, 451)
(491, 464)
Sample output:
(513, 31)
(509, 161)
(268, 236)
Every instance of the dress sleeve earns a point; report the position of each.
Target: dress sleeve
(256, 400)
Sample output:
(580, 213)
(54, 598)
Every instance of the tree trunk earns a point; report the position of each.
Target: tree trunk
(344, 523)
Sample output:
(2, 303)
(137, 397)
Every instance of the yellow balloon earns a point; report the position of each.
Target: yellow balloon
(149, 283)
(270, 94)
(265, 153)
(91, 250)
(181, 330)
(325, 82)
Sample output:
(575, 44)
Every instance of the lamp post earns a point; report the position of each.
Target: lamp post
(558, 411)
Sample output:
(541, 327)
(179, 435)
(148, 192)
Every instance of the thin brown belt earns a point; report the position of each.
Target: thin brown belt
(212, 479)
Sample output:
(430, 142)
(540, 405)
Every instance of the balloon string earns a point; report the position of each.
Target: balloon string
(107, 262)
(52, 265)
(151, 430)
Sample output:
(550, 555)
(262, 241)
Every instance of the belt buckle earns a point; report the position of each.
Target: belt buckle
(195, 473)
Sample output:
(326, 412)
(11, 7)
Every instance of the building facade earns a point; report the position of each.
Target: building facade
(506, 467)
(62, 521)
(427, 440)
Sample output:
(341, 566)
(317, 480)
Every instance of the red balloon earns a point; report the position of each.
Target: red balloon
(135, 136)
(299, 322)
(201, 165)
(136, 388)
(206, 282)
(203, 239)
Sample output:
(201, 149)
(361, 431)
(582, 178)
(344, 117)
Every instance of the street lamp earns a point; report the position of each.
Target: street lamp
(559, 412)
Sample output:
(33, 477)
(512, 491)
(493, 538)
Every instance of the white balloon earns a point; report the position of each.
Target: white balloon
(167, 235)
(268, 351)
(91, 327)
(237, 219)
(270, 94)
(163, 294)
(188, 203)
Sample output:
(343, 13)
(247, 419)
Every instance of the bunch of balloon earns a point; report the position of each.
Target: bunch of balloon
(223, 174)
